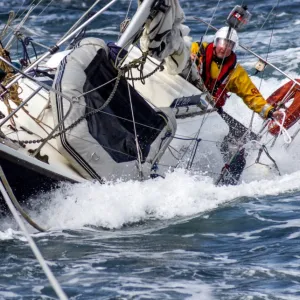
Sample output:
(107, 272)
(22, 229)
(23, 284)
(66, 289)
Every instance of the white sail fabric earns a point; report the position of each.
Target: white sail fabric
(164, 36)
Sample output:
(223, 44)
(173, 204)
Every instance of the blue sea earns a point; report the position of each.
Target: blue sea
(175, 238)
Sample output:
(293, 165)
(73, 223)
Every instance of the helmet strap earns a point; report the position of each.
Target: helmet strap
(229, 33)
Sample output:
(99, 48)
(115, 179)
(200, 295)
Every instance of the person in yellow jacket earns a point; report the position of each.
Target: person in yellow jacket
(217, 66)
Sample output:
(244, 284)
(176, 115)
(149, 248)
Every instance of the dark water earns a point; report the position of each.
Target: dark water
(178, 238)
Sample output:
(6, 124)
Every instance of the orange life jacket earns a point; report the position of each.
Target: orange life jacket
(217, 87)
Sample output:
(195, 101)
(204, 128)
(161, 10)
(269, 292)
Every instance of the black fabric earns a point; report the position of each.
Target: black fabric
(236, 134)
(236, 167)
(27, 180)
(270, 113)
(115, 51)
(116, 135)
(235, 170)
(236, 129)
(187, 101)
(2, 74)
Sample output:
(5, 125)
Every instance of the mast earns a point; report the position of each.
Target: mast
(136, 23)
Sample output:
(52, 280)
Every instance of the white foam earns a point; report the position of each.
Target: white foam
(133, 287)
(180, 194)
(7, 295)
(294, 235)
(11, 234)
(255, 234)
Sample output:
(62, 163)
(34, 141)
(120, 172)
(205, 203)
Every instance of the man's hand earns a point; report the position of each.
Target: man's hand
(277, 115)
(193, 56)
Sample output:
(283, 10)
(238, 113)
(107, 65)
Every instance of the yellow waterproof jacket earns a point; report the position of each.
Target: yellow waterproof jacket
(238, 82)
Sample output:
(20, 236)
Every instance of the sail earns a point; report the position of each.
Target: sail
(165, 37)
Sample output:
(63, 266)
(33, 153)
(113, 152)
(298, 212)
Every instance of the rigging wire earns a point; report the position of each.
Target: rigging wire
(126, 17)
(195, 146)
(138, 149)
(274, 7)
(45, 7)
(29, 7)
(53, 281)
(253, 40)
(79, 20)
(262, 26)
(269, 46)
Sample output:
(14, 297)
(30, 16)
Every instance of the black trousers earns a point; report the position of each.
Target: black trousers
(234, 159)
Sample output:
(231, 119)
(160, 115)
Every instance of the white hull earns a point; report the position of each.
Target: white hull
(38, 107)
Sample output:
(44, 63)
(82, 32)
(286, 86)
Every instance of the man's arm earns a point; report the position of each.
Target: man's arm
(241, 84)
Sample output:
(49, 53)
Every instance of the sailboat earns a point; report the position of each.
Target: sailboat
(108, 112)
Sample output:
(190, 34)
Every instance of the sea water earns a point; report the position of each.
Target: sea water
(175, 238)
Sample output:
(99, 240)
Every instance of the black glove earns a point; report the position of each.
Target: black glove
(270, 113)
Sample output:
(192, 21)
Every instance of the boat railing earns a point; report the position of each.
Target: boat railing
(40, 86)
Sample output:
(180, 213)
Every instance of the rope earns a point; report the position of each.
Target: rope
(139, 64)
(121, 74)
(11, 17)
(13, 93)
(42, 140)
(286, 136)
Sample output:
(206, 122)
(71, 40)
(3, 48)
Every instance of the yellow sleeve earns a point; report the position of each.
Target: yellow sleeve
(241, 84)
(195, 48)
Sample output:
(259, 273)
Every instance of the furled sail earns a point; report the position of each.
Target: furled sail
(165, 37)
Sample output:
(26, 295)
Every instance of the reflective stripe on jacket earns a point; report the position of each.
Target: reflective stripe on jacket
(238, 81)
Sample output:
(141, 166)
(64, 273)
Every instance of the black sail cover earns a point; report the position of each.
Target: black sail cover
(113, 128)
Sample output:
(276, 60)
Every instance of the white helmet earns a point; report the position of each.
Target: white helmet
(222, 33)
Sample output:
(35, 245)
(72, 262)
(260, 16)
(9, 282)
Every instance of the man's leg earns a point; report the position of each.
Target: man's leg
(234, 159)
